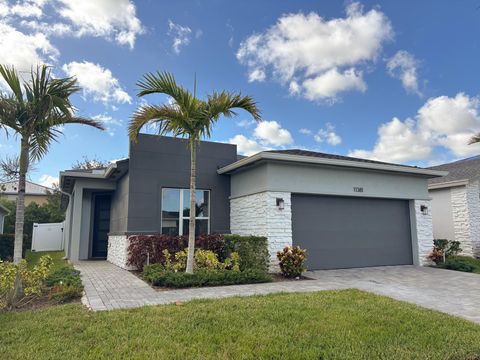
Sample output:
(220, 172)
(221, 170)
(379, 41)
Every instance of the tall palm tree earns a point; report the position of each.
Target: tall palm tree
(189, 117)
(35, 111)
(474, 139)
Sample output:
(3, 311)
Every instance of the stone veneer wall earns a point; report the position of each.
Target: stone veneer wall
(423, 231)
(461, 198)
(258, 214)
(117, 252)
(473, 201)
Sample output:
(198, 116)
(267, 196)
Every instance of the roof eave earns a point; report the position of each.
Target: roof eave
(332, 162)
(448, 184)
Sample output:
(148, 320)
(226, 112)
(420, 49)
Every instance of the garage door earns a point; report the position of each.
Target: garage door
(345, 232)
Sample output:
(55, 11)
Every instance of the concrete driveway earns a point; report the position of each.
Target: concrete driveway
(452, 292)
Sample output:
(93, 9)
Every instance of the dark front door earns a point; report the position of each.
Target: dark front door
(346, 232)
(101, 225)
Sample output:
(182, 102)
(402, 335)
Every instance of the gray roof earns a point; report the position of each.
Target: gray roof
(332, 156)
(11, 188)
(466, 169)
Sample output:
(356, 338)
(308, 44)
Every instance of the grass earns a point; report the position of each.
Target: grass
(471, 261)
(347, 324)
(33, 257)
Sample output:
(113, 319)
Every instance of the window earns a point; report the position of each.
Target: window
(176, 211)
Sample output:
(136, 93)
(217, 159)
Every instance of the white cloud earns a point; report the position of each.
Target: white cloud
(272, 133)
(256, 75)
(56, 29)
(304, 51)
(403, 66)
(27, 9)
(25, 51)
(305, 131)
(111, 19)
(109, 122)
(328, 135)
(245, 123)
(446, 122)
(246, 146)
(48, 180)
(330, 83)
(97, 82)
(181, 36)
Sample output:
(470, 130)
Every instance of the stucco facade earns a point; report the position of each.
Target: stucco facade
(254, 198)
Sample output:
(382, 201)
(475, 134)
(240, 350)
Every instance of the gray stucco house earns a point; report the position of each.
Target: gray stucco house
(346, 212)
(456, 204)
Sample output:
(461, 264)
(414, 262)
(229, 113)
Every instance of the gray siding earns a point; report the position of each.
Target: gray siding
(119, 209)
(442, 216)
(326, 180)
(158, 162)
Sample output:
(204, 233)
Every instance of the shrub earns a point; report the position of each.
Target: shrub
(6, 246)
(252, 250)
(206, 259)
(442, 249)
(19, 284)
(148, 249)
(158, 277)
(203, 259)
(457, 264)
(64, 293)
(291, 261)
(64, 275)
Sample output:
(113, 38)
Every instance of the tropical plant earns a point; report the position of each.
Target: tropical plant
(189, 117)
(291, 261)
(35, 110)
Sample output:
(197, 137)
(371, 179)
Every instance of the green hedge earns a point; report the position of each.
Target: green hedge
(253, 251)
(156, 275)
(6, 245)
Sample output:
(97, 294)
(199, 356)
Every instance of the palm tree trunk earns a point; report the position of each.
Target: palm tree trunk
(191, 224)
(20, 212)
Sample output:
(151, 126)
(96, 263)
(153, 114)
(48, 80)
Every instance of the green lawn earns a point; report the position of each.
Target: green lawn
(347, 324)
(472, 261)
(32, 258)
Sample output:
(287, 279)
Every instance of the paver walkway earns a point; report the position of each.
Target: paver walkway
(456, 293)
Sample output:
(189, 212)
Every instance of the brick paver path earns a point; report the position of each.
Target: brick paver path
(109, 287)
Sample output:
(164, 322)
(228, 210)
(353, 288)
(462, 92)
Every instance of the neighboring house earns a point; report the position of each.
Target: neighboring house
(33, 192)
(346, 212)
(3, 213)
(456, 204)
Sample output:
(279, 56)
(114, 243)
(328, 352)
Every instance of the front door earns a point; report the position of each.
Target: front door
(101, 225)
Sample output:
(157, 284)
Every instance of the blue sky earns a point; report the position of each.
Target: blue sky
(393, 81)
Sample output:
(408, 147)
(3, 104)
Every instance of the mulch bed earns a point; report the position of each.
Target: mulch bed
(41, 302)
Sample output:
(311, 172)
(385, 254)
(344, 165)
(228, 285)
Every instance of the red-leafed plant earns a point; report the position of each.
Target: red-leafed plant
(291, 261)
(148, 249)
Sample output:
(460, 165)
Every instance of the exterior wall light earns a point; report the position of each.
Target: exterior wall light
(280, 204)
(424, 209)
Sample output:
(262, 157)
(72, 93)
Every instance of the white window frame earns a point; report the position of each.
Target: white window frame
(180, 210)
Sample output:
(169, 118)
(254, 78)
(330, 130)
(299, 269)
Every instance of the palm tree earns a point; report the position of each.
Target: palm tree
(474, 139)
(189, 117)
(35, 111)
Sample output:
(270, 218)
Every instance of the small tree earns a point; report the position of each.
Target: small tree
(35, 111)
(189, 117)
(90, 163)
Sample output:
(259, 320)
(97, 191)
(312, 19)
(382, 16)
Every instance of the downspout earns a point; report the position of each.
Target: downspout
(69, 226)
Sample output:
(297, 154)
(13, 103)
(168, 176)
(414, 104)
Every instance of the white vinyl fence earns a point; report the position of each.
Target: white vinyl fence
(47, 237)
